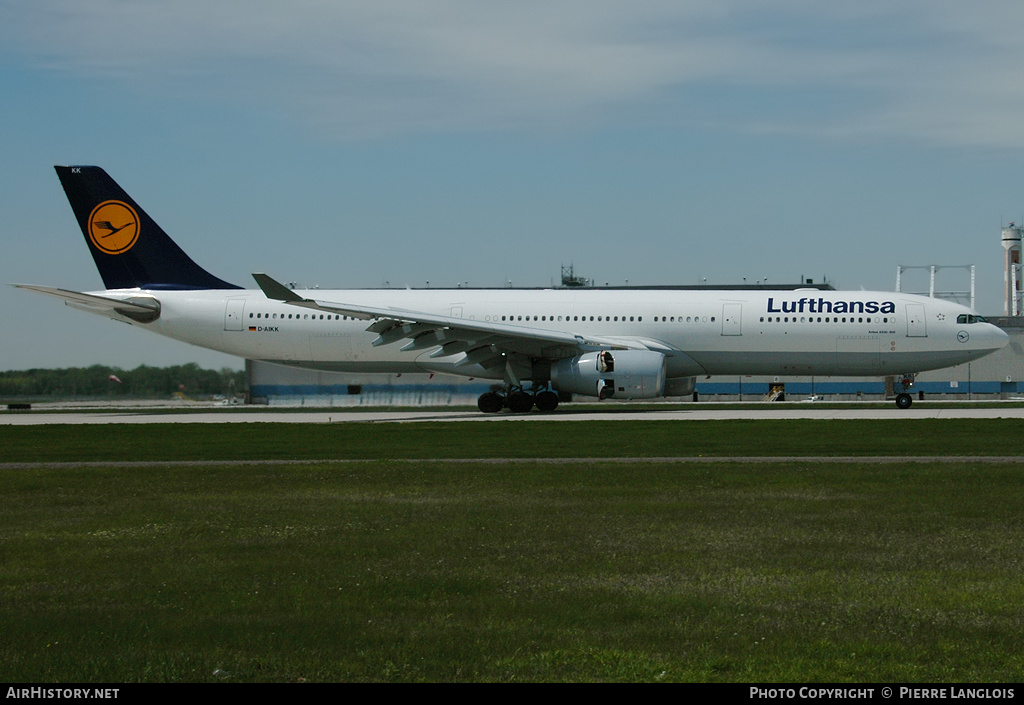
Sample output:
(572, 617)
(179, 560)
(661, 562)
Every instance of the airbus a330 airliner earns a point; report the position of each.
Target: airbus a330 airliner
(539, 343)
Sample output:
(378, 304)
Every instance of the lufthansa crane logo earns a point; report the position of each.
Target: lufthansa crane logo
(114, 227)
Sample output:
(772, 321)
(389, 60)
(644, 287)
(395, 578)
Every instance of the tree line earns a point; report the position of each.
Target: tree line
(141, 383)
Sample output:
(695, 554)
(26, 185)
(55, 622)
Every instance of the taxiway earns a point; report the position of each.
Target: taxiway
(148, 415)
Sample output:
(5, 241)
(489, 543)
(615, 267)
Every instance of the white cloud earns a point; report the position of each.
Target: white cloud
(937, 70)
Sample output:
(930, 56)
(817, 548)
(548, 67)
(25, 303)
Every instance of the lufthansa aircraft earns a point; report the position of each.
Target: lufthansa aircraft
(539, 343)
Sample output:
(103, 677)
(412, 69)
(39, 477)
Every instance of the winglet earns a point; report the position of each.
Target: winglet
(274, 289)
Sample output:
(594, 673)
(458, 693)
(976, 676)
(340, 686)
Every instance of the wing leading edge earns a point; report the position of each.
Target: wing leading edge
(483, 342)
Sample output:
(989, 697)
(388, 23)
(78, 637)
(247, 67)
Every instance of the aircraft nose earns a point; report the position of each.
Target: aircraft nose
(998, 337)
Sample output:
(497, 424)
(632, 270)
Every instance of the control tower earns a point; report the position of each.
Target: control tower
(1012, 270)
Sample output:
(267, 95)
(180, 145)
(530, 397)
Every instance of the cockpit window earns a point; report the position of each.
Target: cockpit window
(970, 318)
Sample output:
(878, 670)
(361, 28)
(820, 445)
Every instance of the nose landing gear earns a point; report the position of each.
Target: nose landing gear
(901, 386)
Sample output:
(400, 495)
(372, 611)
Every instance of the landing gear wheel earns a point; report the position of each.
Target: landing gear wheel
(903, 401)
(490, 403)
(546, 401)
(520, 402)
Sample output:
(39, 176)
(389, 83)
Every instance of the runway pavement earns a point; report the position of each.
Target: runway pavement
(54, 414)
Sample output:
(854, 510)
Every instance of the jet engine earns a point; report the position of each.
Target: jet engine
(623, 374)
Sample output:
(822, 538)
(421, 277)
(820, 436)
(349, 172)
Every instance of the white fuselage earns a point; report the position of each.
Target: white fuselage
(705, 332)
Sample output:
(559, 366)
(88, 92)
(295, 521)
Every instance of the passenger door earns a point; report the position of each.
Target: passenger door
(732, 319)
(233, 314)
(917, 326)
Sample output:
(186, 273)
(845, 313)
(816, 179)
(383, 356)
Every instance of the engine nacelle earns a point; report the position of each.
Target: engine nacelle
(624, 374)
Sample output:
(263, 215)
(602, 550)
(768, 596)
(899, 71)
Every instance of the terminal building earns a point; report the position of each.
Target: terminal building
(996, 376)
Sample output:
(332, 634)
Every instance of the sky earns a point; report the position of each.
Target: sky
(395, 143)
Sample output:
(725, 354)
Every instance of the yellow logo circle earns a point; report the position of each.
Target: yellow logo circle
(114, 227)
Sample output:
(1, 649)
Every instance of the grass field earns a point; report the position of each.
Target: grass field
(591, 439)
(515, 570)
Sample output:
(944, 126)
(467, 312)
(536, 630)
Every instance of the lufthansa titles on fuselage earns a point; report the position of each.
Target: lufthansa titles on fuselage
(821, 305)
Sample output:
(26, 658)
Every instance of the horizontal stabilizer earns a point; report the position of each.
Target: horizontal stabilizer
(143, 309)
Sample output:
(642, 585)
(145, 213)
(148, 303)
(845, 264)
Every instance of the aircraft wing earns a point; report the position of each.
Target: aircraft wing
(139, 308)
(483, 342)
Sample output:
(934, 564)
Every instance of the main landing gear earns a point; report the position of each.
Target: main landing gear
(517, 400)
(515, 397)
